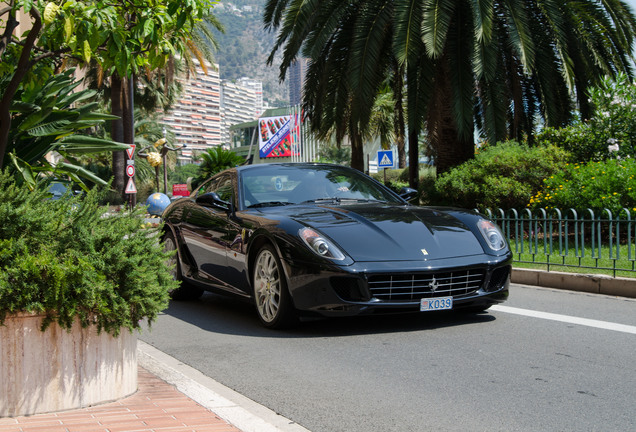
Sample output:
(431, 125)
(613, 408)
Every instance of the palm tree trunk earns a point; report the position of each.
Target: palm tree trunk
(398, 119)
(128, 120)
(414, 124)
(357, 151)
(450, 148)
(117, 132)
(414, 158)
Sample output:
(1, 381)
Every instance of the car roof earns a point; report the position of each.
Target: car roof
(289, 164)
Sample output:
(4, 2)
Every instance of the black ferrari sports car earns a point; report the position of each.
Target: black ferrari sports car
(327, 240)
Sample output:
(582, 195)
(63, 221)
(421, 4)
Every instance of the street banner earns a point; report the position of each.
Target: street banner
(275, 136)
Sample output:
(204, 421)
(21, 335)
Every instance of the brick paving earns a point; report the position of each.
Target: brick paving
(156, 407)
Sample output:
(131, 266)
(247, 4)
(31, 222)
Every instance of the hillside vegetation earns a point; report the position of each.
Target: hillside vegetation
(245, 46)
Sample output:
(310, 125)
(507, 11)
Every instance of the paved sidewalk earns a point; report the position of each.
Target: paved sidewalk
(156, 407)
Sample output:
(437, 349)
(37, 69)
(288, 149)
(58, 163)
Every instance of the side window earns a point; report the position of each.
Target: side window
(208, 187)
(222, 186)
(224, 189)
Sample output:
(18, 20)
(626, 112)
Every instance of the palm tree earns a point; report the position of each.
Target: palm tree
(492, 65)
(339, 94)
(215, 160)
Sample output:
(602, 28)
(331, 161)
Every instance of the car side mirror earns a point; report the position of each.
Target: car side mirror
(407, 193)
(212, 199)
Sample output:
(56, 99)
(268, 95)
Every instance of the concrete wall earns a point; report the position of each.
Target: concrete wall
(58, 370)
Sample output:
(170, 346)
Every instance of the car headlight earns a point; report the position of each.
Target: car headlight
(491, 234)
(320, 244)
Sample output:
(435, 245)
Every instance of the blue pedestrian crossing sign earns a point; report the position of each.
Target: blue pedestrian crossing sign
(385, 159)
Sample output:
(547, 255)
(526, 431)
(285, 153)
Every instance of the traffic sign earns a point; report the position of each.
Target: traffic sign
(130, 170)
(130, 187)
(385, 158)
(131, 151)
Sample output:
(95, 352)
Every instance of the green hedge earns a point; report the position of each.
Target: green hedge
(505, 175)
(66, 258)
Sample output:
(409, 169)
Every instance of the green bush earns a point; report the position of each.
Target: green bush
(66, 258)
(579, 140)
(506, 175)
(609, 185)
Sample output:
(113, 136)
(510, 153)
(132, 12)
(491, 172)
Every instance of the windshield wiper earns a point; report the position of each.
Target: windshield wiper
(321, 200)
(343, 200)
(362, 200)
(269, 204)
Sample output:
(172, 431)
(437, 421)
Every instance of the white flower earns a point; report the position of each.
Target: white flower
(612, 148)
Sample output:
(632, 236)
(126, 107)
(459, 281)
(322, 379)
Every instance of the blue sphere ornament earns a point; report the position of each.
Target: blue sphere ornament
(157, 203)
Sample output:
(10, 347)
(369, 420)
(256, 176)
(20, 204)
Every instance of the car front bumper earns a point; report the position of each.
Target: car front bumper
(391, 287)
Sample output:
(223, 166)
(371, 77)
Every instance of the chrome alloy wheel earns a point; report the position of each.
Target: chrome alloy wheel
(267, 285)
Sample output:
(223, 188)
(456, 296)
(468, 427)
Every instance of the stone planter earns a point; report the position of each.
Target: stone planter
(59, 370)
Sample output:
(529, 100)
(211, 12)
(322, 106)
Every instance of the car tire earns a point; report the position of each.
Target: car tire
(271, 296)
(185, 290)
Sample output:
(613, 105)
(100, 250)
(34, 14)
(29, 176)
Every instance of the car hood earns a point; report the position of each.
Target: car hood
(391, 233)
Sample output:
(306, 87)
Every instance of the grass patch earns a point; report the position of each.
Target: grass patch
(623, 266)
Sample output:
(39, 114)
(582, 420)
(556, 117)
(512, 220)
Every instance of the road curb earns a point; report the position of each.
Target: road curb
(236, 409)
(590, 283)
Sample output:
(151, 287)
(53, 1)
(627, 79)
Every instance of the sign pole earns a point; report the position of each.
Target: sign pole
(385, 160)
(131, 190)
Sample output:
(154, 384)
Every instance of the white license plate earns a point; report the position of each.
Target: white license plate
(437, 303)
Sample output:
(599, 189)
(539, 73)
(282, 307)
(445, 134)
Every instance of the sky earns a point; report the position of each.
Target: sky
(631, 3)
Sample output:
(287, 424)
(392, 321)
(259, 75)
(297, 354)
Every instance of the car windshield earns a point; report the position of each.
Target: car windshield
(276, 185)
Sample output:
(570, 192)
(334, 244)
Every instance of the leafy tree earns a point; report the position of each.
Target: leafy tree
(124, 38)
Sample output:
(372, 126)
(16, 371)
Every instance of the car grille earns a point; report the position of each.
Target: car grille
(415, 286)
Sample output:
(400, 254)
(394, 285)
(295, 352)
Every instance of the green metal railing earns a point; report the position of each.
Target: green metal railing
(568, 239)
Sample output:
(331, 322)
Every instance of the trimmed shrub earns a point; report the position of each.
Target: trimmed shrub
(67, 259)
(506, 175)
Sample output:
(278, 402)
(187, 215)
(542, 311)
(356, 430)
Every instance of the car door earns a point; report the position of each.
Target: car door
(205, 230)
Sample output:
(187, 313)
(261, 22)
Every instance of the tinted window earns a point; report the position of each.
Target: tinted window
(221, 185)
(296, 184)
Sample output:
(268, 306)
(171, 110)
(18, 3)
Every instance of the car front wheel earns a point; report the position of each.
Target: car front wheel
(273, 301)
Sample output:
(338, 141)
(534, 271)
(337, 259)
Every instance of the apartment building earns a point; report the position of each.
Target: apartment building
(257, 86)
(196, 117)
(296, 76)
(238, 105)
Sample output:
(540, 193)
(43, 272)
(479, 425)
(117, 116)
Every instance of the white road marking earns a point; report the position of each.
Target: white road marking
(567, 319)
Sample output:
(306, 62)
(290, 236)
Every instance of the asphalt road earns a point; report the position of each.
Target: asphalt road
(546, 361)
